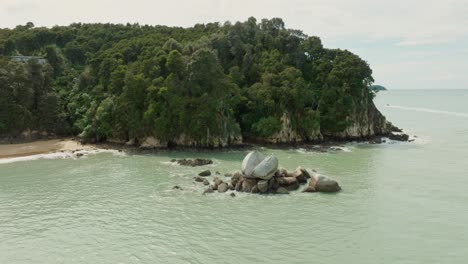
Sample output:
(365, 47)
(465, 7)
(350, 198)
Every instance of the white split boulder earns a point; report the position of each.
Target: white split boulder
(256, 165)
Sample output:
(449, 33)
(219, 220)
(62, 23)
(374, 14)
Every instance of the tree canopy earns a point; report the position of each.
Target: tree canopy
(128, 82)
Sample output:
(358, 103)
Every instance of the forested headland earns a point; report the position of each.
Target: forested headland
(208, 85)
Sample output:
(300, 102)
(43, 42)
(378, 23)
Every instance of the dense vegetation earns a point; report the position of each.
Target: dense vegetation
(128, 82)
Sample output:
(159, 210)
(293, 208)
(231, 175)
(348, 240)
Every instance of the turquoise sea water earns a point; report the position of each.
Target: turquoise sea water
(401, 203)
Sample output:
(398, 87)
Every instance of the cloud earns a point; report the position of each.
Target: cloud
(413, 22)
(9, 7)
(388, 34)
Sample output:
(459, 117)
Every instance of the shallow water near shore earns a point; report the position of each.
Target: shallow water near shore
(400, 203)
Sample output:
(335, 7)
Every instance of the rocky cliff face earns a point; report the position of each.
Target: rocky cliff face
(365, 122)
(228, 139)
(288, 134)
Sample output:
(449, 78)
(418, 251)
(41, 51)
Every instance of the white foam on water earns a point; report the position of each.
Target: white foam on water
(418, 140)
(340, 148)
(170, 163)
(62, 155)
(427, 110)
(300, 150)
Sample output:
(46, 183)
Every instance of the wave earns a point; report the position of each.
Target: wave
(319, 148)
(427, 110)
(340, 148)
(62, 155)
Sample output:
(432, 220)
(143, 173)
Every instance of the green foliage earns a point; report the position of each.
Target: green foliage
(202, 83)
(26, 98)
(266, 127)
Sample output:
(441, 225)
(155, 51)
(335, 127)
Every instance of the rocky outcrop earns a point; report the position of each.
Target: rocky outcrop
(251, 161)
(266, 169)
(398, 136)
(271, 179)
(193, 162)
(256, 165)
(320, 183)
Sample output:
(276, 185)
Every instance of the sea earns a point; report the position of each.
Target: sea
(401, 202)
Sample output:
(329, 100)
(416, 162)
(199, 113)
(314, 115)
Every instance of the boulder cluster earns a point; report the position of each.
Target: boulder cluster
(260, 174)
(193, 163)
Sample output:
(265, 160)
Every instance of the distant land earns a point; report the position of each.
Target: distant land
(377, 88)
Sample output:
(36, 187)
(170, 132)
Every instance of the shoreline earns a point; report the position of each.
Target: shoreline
(47, 146)
(36, 147)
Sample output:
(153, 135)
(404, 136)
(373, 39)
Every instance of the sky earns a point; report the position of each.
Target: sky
(409, 44)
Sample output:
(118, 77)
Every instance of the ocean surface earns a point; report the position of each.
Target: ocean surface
(401, 202)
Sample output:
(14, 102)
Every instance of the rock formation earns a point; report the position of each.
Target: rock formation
(261, 174)
(194, 162)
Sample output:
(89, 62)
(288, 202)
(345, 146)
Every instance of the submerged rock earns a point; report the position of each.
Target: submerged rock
(199, 179)
(206, 182)
(395, 129)
(282, 190)
(398, 137)
(208, 190)
(194, 162)
(205, 173)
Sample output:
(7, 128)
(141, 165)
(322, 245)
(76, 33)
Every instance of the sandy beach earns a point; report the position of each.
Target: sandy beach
(41, 147)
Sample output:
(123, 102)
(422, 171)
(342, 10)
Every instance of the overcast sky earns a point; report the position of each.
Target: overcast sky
(419, 44)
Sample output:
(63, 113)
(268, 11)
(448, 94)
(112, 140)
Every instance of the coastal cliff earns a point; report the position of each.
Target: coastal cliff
(365, 123)
(208, 86)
